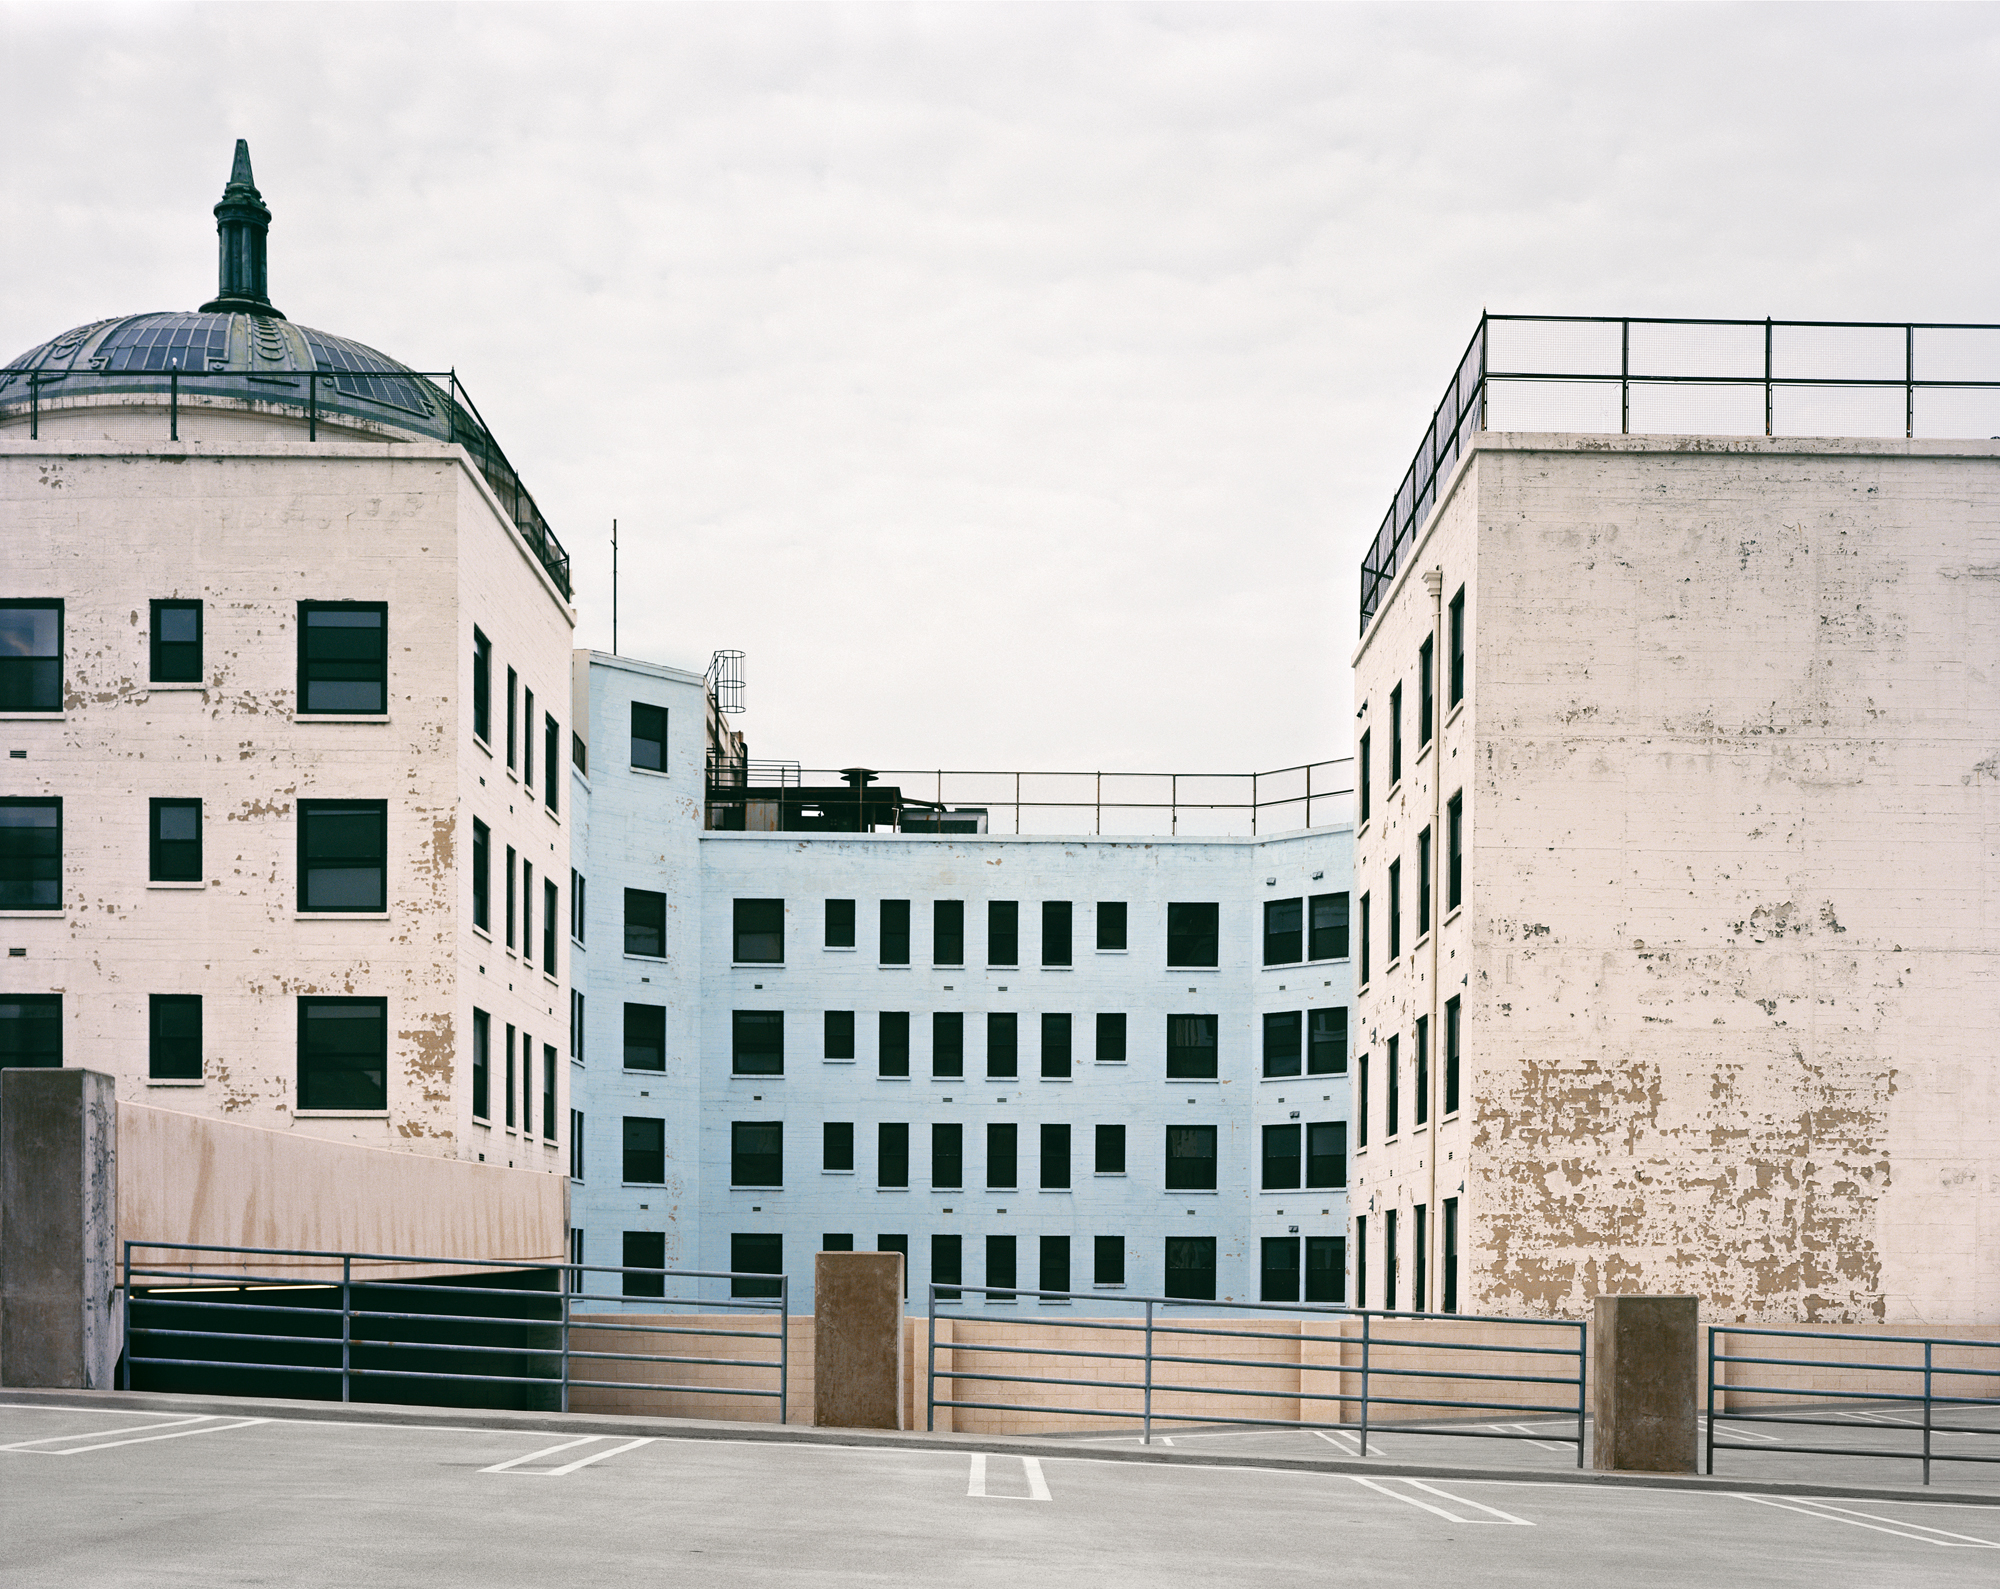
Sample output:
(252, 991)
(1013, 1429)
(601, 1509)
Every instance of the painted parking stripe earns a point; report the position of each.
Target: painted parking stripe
(1875, 1523)
(546, 1451)
(1334, 1438)
(1038, 1484)
(1496, 1517)
(209, 1426)
(1521, 1428)
(105, 1434)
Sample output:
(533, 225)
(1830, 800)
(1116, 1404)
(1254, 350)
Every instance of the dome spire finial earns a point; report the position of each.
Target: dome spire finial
(241, 221)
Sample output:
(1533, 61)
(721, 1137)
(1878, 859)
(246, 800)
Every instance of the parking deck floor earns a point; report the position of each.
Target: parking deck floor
(126, 1493)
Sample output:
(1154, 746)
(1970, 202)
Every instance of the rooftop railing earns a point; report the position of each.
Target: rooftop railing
(431, 402)
(1633, 376)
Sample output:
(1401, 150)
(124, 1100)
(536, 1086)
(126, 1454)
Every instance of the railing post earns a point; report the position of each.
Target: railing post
(930, 1363)
(1173, 803)
(1097, 801)
(1582, 1380)
(1364, 1383)
(1253, 805)
(1927, 1412)
(126, 1366)
(346, 1326)
(1146, 1428)
(35, 406)
(1017, 802)
(174, 405)
(1624, 377)
(1767, 377)
(569, 1283)
(1708, 1465)
(784, 1342)
(1909, 382)
(312, 405)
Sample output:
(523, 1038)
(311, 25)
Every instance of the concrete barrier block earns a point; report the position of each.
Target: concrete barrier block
(858, 1340)
(1645, 1383)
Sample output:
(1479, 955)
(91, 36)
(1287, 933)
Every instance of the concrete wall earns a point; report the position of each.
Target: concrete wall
(1728, 764)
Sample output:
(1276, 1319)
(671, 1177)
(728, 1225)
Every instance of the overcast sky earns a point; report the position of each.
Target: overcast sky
(1017, 386)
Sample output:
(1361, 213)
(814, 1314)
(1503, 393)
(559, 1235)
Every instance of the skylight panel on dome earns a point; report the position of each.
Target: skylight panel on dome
(364, 365)
(162, 342)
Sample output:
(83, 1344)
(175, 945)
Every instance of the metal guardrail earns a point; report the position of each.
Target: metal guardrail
(1250, 801)
(1927, 1401)
(406, 399)
(355, 1338)
(1562, 372)
(1367, 1371)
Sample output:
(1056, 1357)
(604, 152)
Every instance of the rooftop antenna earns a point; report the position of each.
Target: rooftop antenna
(614, 587)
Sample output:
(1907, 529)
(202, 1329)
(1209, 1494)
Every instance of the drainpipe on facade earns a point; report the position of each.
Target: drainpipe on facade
(1434, 583)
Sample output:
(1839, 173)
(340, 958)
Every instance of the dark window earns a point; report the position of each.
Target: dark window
(343, 656)
(645, 1150)
(551, 914)
(343, 1053)
(1361, 1104)
(1110, 1150)
(31, 649)
(528, 913)
(1395, 736)
(645, 923)
(175, 1049)
(528, 739)
(1003, 932)
(176, 642)
(1055, 932)
(1281, 1158)
(1193, 935)
(1055, 1046)
(948, 1155)
(1361, 960)
(947, 1266)
(645, 1037)
(576, 1025)
(1000, 1273)
(1191, 1048)
(576, 1158)
(1326, 1268)
(1326, 1154)
(1282, 1043)
(757, 1042)
(1055, 1158)
(30, 1031)
(759, 1253)
(551, 760)
(895, 932)
(947, 1044)
(527, 1085)
(548, 1092)
(510, 896)
(892, 1043)
(1389, 1257)
(1108, 1260)
(578, 917)
(1329, 927)
(1422, 1057)
(1190, 1158)
(1392, 1071)
(1111, 924)
(644, 1249)
(1002, 1155)
(510, 1076)
(1423, 882)
(1361, 1259)
(1419, 1296)
(482, 685)
(579, 753)
(175, 841)
(482, 1065)
(1326, 1048)
(1361, 761)
(343, 855)
(1448, 1258)
(1395, 911)
(1279, 1276)
(948, 932)
(649, 737)
(756, 1153)
(1426, 692)
(836, 1147)
(482, 876)
(760, 931)
(892, 1154)
(839, 1034)
(1454, 851)
(1055, 1263)
(513, 719)
(1452, 1008)
(837, 1241)
(1003, 1059)
(1458, 648)
(1284, 936)
(840, 924)
(1111, 1037)
(1191, 1267)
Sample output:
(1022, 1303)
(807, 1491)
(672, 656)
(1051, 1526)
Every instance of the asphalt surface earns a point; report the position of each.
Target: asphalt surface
(130, 1490)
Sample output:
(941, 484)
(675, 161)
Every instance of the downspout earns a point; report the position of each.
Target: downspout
(1434, 583)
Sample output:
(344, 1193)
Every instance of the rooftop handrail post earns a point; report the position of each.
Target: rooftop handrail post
(569, 1279)
(1098, 802)
(1927, 1412)
(34, 405)
(126, 1366)
(1253, 805)
(784, 1342)
(1909, 382)
(174, 404)
(1624, 377)
(1017, 802)
(346, 1327)
(1582, 1356)
(1364, 1382)
(930, 1363)
(1174, 803)
(1146, 1428)
(1709, 1467)
(1768, 427)
(312, 405)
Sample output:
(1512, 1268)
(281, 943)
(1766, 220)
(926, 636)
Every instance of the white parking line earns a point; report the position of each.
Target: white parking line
(1334, 1438)
(597, 1456)
(1521, 1428)
(1497, 1517)
(519, 1464)
(100, 1434)
(210, 1425)
(1826, 1512)
(975, 1486)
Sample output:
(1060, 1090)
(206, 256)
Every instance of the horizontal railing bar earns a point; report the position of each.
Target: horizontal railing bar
(1856, 1451)
(588, 1321)
(1259, 1423)
(203, 1362)
(697, 1390)
(1300, 1310)
(479, 1263)
(1267, 1395)
(553, 1322)
(1048, 1351)
(333, 1340)
(727, 1304)
(1830, 383)
(1800, 1420)
(1372, 1370)
(144, 1301)
(1841, 1335)
(1786, 1390)
(663, 1357)
(1990, 1372)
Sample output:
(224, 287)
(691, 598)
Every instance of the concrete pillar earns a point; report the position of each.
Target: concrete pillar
(858, 1340)
(1645, 1383)
(59, 1322)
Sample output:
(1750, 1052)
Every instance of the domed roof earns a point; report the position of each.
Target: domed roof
(256, 357)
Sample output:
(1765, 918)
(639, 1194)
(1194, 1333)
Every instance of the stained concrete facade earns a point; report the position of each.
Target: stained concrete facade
(1725, 949)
